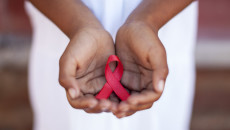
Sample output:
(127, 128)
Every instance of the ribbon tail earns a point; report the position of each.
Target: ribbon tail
(120, 91)
(105, 92)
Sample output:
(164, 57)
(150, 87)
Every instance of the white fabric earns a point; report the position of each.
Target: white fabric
(48, 99)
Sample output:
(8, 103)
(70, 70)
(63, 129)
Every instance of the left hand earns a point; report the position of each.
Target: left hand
(145, 66)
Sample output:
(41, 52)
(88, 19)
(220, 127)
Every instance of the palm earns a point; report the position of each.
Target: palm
(136, 77)
(134, 53)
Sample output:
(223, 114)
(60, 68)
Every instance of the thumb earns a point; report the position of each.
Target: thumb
(67, 75)
(159, 65)
(159, 78)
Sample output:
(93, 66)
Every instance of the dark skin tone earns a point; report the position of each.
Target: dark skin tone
(143, 55)
(137, 45)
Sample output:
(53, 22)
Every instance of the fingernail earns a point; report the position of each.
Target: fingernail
(72, 93)
(160, 86)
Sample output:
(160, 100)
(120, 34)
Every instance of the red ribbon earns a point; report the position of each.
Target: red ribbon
(113, 81)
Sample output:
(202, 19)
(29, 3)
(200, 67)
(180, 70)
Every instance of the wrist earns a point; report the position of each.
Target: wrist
(81, 18)
(98, 35)
(138, 22)
(81, 26)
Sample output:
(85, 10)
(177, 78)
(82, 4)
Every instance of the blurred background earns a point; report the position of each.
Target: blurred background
(212, 99)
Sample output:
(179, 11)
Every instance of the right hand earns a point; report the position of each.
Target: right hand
(82, 69)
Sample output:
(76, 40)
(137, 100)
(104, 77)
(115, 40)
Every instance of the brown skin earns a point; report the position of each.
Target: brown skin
(82, 64)
(145, 65)
(82, 68)
(137, 44)
(142, 53)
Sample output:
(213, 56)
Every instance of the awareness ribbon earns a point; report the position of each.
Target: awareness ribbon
(113, 81)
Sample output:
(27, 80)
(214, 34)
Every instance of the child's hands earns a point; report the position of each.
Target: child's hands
(145, 66)
(82, 68)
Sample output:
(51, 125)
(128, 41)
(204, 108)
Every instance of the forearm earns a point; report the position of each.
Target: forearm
(157, 12)
(68, 15)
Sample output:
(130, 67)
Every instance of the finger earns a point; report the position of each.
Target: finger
(102, 106)
(159, 77)
(114, 107)
(140, 107)
(67, 74)
(144, 97)
(82, 102)
(105, 105)
(130, 113)
(88, 110)
(125, 107)
(159, 65)
(121, 107)
(124, 114)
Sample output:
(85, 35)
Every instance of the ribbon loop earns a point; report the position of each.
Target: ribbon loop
(113, 81)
